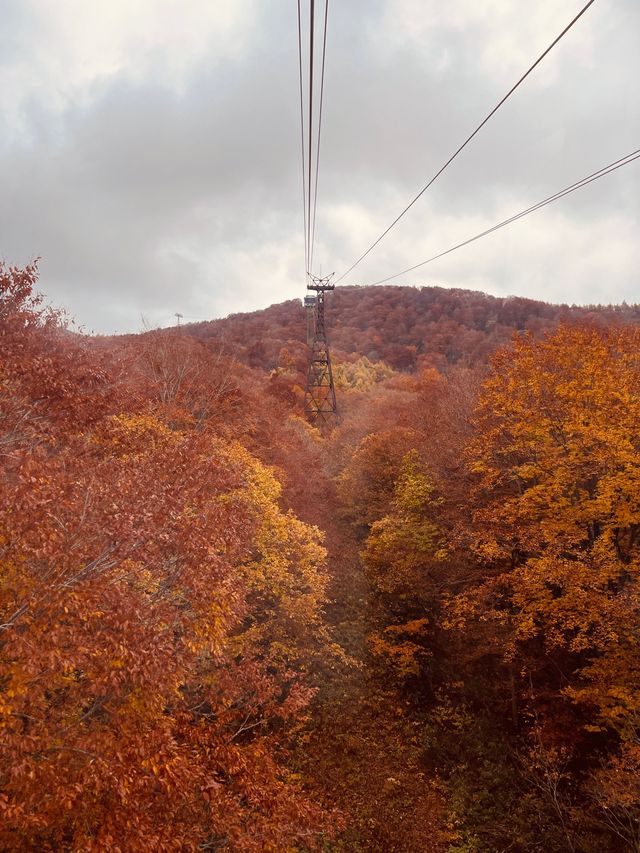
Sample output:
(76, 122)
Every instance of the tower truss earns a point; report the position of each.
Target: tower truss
(320, 395)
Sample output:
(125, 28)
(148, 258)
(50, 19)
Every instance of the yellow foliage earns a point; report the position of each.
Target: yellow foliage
(403, 654)
(403, 547)
(360, 375)
(557, 455)
(285, 574)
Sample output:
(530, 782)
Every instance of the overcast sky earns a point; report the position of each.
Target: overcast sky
(150, 150)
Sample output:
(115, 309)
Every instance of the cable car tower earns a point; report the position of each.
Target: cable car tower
(320, 395)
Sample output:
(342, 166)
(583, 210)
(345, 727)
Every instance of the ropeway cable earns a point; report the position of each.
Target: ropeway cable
(594, 176)
(469, 138)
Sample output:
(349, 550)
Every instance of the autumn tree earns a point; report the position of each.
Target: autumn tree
(403, 546)
(360, 375)
(366, 484)
(557, 457)
(185, 375)
(401, 558)
(157, 611)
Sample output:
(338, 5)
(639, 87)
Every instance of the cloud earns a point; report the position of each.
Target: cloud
(59, 51)
(151, 151)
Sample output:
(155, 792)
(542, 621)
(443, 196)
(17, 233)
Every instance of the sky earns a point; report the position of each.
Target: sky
(150, 151)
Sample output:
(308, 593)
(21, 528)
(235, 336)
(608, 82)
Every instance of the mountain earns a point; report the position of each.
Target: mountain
(406, 327)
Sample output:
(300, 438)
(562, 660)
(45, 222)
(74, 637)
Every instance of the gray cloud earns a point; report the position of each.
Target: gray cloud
(155, 166)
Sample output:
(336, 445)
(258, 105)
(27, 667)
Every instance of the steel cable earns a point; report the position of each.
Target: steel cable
(315, 193)
(310, 134)
(469, 138)
(594, 176)
(304, 189)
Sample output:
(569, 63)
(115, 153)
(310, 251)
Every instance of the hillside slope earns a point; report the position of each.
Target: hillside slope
(403, 326)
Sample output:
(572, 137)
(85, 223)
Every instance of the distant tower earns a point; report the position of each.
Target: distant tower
(320, 396)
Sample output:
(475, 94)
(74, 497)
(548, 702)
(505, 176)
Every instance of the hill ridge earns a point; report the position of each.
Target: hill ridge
(407, 327)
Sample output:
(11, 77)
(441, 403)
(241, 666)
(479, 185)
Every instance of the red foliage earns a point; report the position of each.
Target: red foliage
(403, 326)
(156, 605)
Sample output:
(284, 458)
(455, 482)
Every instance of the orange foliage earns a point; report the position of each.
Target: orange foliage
(557, 457)
(156, 605)
(161, 611)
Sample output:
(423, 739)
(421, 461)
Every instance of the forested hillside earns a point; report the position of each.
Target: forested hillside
(223, 629)
(405, 327)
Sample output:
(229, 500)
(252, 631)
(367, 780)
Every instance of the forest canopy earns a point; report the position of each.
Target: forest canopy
(224, 628)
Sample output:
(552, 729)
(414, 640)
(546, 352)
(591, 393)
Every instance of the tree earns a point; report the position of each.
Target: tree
(403, 547)
(400, 557)
(557, 457)
(366, 484)
(157, 610)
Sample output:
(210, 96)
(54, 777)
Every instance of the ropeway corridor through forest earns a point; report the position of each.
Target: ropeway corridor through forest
(361, 753)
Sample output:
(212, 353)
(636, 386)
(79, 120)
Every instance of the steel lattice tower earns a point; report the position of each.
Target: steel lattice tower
(320, 395)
